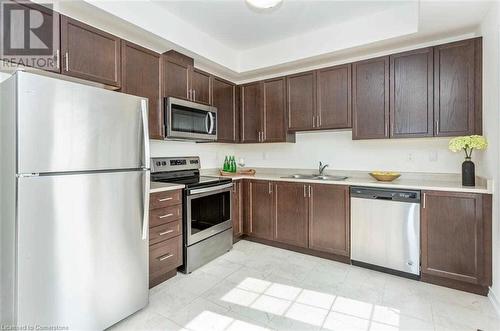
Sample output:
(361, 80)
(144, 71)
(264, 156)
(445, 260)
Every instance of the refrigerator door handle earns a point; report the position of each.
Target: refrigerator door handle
(145, 130)
(145, 217)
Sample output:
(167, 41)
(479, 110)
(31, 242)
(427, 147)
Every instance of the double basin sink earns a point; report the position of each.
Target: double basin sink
(315, 177)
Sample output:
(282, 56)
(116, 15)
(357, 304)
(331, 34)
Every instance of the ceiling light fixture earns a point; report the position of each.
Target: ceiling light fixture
(263, 4)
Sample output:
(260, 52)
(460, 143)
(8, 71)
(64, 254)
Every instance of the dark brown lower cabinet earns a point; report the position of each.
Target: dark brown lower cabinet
(165, 235)
(237, 210)
(260, 209)
(329, 219)
(310, 218)
(456, 240)
(291, 213)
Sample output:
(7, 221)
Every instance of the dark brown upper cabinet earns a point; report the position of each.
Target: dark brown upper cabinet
(141, 76)
(291, 213)
(411, 94)
(274, 113)
(251, 126)
(201, 87)
(301, 101)
(334, 97)
(89, 53)
(182, 80)
(456, 240)
(457, 88)
(370, 98)
(224, 97)
(263, 113)
(48, 33)
(329, 219)
(176, 75)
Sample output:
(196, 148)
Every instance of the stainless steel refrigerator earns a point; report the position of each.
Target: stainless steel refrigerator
(74, 203)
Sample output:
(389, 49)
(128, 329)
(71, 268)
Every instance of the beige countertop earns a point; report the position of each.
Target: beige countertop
(413, 181)
(162, 187)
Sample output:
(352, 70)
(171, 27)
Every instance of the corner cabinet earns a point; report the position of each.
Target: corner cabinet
(263, 112)
(370, 98)
(141, 76)
(456, 240)
(90, 53)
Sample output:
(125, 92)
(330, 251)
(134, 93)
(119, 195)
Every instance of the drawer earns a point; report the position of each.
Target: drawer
(165, 231)
(165, 256)
(164, 215)
(165, 199)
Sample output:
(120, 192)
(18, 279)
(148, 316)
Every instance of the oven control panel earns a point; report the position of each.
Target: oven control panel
(162, 164)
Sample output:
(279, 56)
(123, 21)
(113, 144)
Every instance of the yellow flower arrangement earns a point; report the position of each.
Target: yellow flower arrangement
(467, 144)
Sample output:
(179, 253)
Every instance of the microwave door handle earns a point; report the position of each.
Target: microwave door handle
(212, 123)
(207, 123)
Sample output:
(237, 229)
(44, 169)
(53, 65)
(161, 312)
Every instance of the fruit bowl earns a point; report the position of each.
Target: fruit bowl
(385, 176)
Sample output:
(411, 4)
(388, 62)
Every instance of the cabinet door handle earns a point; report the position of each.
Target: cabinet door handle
(424, 200)
(194, 95)
(165, 199)
(314, 121)
(305, 195)
(270, 188)
(165, 232)
(310, 190)
(164, 257)
(165, 216)
(319, 121)
(437, 127)
(66, 60)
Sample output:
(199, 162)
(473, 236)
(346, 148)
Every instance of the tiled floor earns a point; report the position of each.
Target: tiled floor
(257, 287)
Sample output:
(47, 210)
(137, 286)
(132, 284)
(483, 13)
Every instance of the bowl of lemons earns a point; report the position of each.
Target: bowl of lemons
(385, 176)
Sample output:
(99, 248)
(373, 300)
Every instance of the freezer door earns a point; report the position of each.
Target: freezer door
(82, 260)
(65, 126)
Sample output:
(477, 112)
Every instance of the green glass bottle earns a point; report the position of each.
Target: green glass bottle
(226, 165)
(233, 165)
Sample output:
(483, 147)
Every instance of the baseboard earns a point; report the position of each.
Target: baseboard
(494, 301)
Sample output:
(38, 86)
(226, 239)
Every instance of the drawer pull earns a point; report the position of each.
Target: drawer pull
(165, 199)
(165, 232)
(167, 215)
(165, 257)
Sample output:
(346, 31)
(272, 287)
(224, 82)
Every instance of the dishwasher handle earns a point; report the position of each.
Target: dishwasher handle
(385, 194)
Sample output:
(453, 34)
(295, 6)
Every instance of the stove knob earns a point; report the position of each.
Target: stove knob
(158, 163)
(164, 163)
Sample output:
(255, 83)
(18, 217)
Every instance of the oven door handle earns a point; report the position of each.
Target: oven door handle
(210, 189)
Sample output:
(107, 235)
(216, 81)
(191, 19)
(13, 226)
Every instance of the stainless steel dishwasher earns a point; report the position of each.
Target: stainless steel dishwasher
(385, 230)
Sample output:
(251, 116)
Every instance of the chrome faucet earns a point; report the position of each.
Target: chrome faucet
(322, 168)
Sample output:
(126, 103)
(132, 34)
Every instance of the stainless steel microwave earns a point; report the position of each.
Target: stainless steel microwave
(186, 120)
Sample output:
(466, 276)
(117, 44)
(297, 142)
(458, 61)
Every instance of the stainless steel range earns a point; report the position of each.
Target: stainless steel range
(207, 225)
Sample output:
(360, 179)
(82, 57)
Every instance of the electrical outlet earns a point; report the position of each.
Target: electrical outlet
(433, 156)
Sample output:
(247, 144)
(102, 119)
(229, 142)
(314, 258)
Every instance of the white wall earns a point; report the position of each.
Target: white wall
(342, 153)
(489, 165)
(211, 155)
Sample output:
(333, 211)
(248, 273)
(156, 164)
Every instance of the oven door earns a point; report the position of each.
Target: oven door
(190, 120)
(208, 212)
